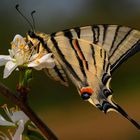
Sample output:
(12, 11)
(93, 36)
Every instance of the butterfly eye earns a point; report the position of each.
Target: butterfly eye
(86, 92)
(31, 34)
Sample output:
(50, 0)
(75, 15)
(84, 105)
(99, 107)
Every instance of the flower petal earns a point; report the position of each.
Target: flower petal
(4, 59)
(14, 116)
(33, 57)
(4, 122)
(32, 64)
(45, 61)
(18, 40)
(17, 43)
(47, 58)
(19, 115)
(9, 67)
(19, 131)
(11, 53)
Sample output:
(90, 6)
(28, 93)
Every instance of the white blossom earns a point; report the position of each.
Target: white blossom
(18, 119)
(21, 54)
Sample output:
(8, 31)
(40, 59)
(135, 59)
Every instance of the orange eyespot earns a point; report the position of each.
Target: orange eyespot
(86, 89)
(86, 92)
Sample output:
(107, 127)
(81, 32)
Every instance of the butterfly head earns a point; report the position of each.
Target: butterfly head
(32, 38)
(40, 36)
(31, 34)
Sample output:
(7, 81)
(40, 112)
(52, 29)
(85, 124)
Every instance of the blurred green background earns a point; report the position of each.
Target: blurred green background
(60, 107)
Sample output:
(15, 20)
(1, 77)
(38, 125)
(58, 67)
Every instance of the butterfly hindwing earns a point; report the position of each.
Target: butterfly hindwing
(57, 74)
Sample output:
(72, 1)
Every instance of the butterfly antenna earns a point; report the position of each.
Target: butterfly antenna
(32, 15)
(17, 8)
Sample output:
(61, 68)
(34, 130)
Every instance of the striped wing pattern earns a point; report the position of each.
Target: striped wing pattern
(89, 55)
(119, 42)
(57, 74)
(81, 67)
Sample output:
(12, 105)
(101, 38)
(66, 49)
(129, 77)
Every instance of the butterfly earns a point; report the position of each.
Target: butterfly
(88, 56)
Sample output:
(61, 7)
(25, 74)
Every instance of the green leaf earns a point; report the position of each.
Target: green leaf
(33, 135)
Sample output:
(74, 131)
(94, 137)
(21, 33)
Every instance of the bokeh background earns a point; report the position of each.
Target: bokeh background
(61, 108)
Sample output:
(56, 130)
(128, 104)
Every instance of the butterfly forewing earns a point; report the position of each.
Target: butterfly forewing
(119, 42)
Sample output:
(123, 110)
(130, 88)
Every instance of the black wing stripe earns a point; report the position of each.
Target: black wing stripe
(102, 34)
(38, 47)
(43, 43)
(101, 51)
(105, 32)
(127, 34)
(96, 34)
(115, 36)
(64, 59)
(104, 63)
(78, 31)
(81, 66)
(82, 54)
(68, 34)
(135, 48)
(94, 37)
(93, 55)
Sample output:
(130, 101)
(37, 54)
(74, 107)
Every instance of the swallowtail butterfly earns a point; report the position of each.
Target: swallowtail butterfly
(89, 55)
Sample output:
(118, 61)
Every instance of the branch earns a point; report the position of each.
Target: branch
(7, 93)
